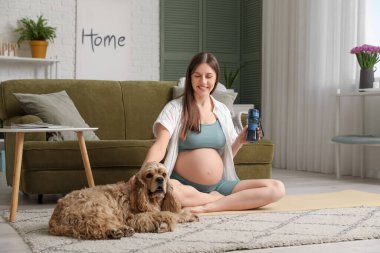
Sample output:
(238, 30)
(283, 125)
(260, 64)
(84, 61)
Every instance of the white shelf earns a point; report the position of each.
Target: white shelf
(365, 92)
(27, 59)
(50, 65)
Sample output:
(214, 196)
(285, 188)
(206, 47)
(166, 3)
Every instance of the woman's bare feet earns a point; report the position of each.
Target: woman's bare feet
(197, 209)
(202, 208)
(217, 195)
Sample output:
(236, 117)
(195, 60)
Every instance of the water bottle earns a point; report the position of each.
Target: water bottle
(253, 134)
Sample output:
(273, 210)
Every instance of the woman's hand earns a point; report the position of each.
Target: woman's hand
(240, 140)
(157, 151)
(242, 137)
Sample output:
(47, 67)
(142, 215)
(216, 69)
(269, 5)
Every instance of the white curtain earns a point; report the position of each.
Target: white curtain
(306, 57)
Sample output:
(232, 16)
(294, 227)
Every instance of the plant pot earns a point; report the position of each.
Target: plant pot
(39, 48)
(367, 77)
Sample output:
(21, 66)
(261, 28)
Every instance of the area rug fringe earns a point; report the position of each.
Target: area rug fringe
(239, 231)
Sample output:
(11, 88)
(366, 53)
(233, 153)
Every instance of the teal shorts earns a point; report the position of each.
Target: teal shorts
(223, 187)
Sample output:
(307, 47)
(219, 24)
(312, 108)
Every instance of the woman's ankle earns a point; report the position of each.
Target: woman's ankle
(216, 195)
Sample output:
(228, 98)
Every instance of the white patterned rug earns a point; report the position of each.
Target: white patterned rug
(220, 233)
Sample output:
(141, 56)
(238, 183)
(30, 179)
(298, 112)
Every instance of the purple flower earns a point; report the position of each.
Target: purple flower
(366, 49)
(367, 55)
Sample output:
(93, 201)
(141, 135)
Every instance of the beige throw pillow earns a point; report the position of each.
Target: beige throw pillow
(55, 108)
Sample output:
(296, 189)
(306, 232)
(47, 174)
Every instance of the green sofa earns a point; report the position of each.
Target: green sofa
(124, 112)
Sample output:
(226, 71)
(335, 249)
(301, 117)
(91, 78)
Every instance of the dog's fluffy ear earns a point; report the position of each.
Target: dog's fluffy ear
(139, 198)
(170, 203)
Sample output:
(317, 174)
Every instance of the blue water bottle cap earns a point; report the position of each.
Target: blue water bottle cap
(253, 113)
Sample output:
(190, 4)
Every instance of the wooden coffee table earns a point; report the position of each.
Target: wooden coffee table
(20, 132)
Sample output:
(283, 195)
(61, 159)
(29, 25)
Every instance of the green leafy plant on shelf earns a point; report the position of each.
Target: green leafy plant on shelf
(230, 76)
(37, 32)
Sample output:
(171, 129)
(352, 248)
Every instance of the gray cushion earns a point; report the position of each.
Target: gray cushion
(55, 108)
(226, 97)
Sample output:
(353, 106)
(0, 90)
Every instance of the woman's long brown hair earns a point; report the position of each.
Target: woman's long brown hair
(191, 117)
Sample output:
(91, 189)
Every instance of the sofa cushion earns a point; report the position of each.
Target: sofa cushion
(143, 102)
(255, 153)
(66, 155)
(55, 108)
(118, 153)
(99, 102)
(257, 171)
(67, 180)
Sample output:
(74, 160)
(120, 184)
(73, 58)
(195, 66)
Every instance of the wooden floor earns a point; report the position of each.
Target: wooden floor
(296, 182)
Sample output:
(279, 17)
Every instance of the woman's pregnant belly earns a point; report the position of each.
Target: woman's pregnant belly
(201, 166)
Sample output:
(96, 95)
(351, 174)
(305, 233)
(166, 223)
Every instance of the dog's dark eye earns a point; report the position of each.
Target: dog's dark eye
(164, 174)
(149, 175)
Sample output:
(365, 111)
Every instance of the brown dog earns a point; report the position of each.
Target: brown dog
(144, 204)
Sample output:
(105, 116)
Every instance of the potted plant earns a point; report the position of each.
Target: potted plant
(38, 33)
(230, 76)
(368, 56)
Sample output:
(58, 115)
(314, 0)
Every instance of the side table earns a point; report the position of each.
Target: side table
(358, 139)
(20, 132)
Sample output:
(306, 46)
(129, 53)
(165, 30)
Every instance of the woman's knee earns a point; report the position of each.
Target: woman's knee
(177, 189)
(278, 189)
(181, 191)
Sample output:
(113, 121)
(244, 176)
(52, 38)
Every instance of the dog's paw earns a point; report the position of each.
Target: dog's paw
(127, 231)
(186, 216)
(193, 217)
(163, 228)
(114, 233)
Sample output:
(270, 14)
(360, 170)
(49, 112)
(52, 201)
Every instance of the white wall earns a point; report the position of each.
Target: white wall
(143, 40)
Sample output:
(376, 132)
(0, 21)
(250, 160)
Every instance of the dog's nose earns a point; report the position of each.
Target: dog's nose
(160, 180)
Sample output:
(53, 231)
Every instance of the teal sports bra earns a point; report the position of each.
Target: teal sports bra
(211, 136)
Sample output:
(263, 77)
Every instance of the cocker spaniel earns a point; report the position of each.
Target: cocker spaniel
(143, 204)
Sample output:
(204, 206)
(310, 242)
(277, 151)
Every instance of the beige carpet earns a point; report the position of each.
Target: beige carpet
(341, 199)
(217, 233)
(295, 220)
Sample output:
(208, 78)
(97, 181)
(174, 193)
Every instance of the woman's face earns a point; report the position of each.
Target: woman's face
(203, 80)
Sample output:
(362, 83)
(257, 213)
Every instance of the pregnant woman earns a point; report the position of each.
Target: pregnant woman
(196, 133)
